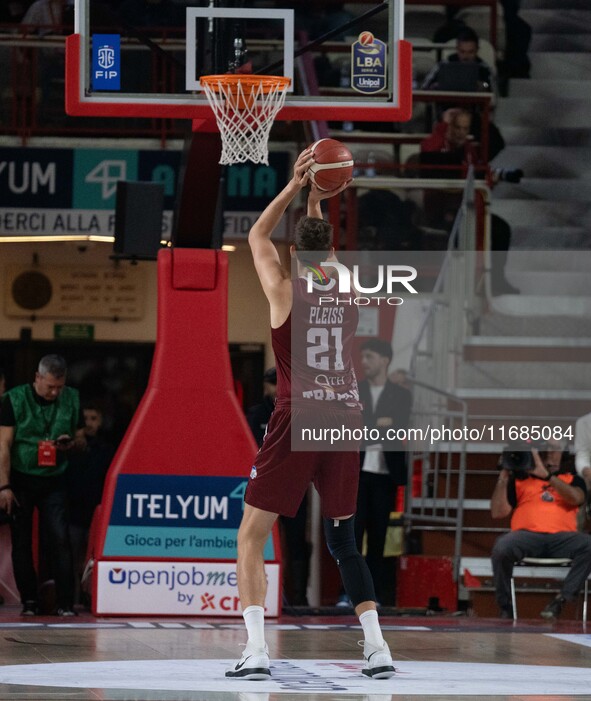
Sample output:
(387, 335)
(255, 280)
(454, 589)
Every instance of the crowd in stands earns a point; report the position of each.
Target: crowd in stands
(457, 137)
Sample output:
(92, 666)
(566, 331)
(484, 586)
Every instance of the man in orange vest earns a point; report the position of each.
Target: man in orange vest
(543, 501)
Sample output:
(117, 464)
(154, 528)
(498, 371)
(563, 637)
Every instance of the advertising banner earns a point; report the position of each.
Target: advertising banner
(174, 516)
(176, 589)
(72, 191)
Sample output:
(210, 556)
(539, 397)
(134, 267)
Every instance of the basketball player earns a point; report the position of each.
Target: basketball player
(280, 477)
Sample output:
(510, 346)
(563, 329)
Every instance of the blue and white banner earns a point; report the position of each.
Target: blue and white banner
(106, 62)
(368, 64)
(173, 516)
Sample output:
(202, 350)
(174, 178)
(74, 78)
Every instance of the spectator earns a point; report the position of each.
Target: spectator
(583, 448)
(387, 222)
(383, 463)
(583, 459)
(152, 13)
(258, 416)
(39, 424)
(318, 20)
(450, 145)
(85, 478)
(12, 11)
(296, 561)
(49, 16)
(467, 45)
(452, 136)
(543, 503)
(516, 63)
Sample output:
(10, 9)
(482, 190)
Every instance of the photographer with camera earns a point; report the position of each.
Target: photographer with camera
(450, 144)
(39, 424)
(543, 497)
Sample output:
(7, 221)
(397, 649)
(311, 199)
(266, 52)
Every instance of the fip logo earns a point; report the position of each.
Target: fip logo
(106, 57)
(106, 62)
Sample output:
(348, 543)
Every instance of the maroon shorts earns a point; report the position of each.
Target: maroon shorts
(280, 477)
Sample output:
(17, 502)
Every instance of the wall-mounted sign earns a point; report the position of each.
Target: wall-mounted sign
(90, 292)
(73, 332)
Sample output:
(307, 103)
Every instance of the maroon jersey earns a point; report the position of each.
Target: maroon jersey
(313, 350)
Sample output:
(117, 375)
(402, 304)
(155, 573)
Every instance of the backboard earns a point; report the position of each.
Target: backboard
(145, 57)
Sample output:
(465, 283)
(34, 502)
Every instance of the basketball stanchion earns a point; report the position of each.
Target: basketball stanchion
(245, 107)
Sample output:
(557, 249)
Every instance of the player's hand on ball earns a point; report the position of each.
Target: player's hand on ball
(301, 167)
(317, 194)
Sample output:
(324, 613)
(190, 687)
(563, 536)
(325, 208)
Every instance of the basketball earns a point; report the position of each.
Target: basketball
(333, 164)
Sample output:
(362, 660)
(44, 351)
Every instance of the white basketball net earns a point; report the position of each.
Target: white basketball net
(244, 112)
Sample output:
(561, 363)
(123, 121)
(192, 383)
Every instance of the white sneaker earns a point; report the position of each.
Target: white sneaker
(378, 661)
(253, 665)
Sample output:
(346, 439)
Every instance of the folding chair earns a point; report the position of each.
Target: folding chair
(549, 563)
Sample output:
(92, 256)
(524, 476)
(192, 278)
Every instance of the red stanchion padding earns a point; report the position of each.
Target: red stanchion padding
(174, 491)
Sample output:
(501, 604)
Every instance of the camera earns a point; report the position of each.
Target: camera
(518, 457)
(508, 175)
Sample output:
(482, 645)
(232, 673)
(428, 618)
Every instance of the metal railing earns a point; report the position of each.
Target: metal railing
(442, 467)
(436, 351)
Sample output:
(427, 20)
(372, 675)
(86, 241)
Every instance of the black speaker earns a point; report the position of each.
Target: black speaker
(138, 219)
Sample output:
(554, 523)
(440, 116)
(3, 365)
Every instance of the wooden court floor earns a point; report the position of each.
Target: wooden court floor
(173, 659)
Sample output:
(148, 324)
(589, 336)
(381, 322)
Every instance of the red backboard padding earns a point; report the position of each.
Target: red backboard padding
(194, 269)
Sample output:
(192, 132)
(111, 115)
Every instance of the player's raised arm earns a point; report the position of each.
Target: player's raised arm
(317, 195)
(265, 255)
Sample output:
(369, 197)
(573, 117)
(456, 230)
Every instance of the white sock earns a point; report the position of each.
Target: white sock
(371, 628)
(254, 618)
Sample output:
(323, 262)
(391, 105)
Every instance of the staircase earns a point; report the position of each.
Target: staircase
(533, 346)
(546, 124)
(527, 359)
(532, 351)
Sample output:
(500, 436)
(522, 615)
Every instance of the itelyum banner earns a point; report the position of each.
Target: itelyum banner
(177, 517)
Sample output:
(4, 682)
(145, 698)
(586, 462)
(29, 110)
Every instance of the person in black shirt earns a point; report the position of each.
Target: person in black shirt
(85, 478)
